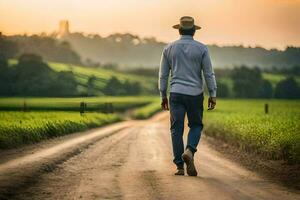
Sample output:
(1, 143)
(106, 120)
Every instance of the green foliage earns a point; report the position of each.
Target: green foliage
(145, 85)
(246, 82)
(148, 110)
(8, 49)
(17, 128)
(273, 78)
(114, 87)
(91, 86)
(49, 48)
(223, 89)
(244, 124)
(287, 89)
(266, 90)
(33, 77)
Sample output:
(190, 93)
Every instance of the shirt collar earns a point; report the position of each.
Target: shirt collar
(186, 37)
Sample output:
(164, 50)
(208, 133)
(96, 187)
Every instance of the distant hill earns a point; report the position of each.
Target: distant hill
(131, 51)
(47, 47)
(102, 76)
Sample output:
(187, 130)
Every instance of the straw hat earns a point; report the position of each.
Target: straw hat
(186, 22)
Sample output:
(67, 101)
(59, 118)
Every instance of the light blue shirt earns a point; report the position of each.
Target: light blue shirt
(189, 61)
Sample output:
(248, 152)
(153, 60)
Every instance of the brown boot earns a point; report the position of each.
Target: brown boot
(188, 158)
(180, 172)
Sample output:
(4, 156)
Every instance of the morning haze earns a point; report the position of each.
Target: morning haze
(268, 23)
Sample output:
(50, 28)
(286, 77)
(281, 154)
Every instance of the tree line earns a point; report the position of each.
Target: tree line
(47, 47)
(31, 76)
(249, 83)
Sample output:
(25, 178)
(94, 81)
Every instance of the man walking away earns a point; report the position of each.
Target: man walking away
(187, 60)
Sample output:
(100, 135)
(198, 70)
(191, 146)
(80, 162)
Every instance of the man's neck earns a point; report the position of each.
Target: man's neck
(189, 37)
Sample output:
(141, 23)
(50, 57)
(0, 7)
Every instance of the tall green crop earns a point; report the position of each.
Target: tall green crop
(276, 135)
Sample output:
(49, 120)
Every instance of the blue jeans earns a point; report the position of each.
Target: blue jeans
(180, 105)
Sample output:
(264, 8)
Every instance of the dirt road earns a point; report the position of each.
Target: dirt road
(128, 160)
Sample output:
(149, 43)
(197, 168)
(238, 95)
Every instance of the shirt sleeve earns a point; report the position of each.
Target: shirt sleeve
(164, 71)
(209, 74)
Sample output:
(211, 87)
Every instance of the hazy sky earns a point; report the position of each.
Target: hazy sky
(268, 23)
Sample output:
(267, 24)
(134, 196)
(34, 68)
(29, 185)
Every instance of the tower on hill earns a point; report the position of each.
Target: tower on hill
(63, 28)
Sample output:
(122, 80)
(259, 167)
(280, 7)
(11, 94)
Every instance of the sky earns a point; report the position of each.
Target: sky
(266, 23)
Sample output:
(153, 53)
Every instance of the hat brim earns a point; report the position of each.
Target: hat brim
(177, 26)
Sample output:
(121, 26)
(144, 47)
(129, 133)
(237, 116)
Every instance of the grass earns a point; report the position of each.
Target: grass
(56, 116)
(18, 128)
(273, 78)
(148, 110)
(243, 123)
(72, 104)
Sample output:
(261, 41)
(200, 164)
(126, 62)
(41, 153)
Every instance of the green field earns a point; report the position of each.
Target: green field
(103, 75)
(47, 117)
(73, 104)
(243, 123)
(239, 122)
(17, 128)
(82, 74)
(148, 110)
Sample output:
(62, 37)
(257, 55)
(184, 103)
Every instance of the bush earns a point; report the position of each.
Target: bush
(115, 87)
(287, 89)
(223, 90)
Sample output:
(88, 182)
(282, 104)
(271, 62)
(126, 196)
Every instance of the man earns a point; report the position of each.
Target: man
(187, 60)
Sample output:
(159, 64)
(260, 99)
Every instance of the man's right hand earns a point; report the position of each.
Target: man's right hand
(165, 103)
(212, 101)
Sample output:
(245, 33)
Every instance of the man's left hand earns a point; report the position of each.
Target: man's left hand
(165, 103)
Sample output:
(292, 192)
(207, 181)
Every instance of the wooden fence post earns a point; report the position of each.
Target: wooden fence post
(266, 108)
(24, 106)
(82, 107)
(111, 108)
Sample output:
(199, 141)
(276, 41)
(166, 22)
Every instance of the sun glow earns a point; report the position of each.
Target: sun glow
(268, 23)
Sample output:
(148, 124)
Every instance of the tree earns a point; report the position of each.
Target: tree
(266, 89)
(133, 88)
(49, 48)
(91, 85)
(33, 77)
(8, 48)
(287, 89)
(246, 82)
(114, 87)
(223, 90)
(6, 76)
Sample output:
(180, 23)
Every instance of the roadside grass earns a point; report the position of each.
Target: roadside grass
(98, 104)
(18, 128)
(51, 117)
(243, 123)
(148, 110)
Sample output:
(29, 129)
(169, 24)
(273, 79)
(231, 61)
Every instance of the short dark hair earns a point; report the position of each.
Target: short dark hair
(190, 32)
